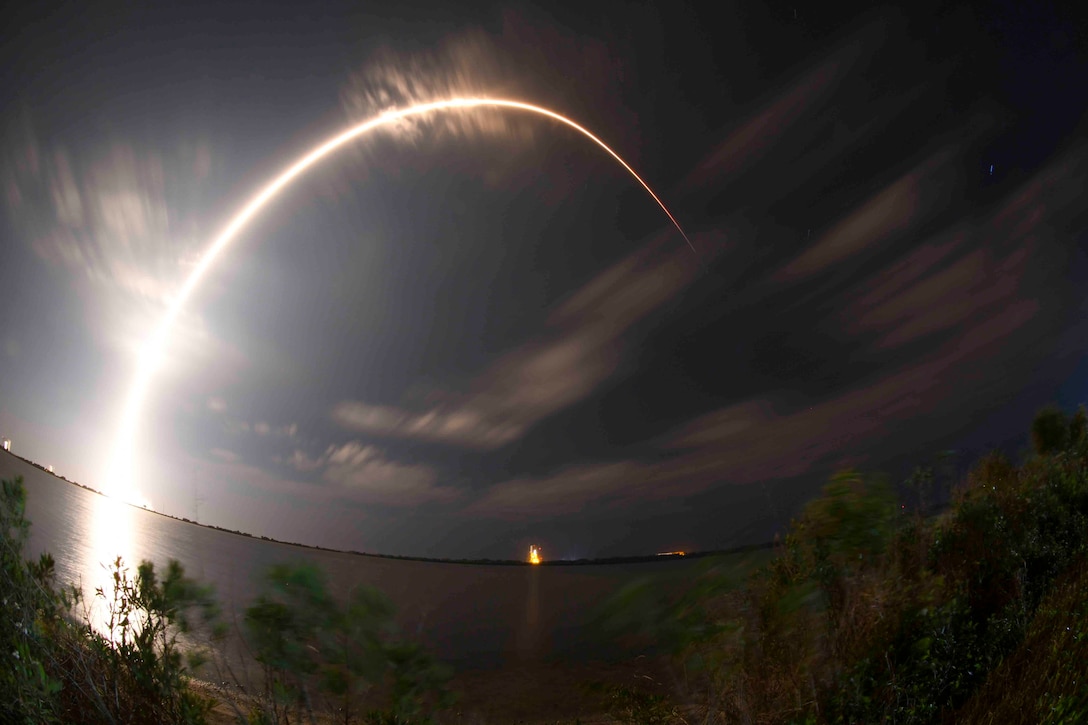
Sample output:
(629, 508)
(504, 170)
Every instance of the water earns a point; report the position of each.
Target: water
(471, 616)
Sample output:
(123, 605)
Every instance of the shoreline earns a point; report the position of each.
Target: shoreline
(633, 559)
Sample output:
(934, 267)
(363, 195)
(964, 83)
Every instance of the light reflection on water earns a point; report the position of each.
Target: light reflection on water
(470, 616)
(110, 536)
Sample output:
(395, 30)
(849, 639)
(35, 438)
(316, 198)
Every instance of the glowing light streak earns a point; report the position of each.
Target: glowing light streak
(120, 475)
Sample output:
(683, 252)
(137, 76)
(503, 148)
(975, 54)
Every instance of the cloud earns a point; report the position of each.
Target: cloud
(751, 441)
(568, 491)
(755, 136)
(529, 59)
(368, 476)
(225, 455)
(301, 462)
(522, 58)
(971, 271)
(105, 217)
(466, 65)
(580, 348)
(943, 300)
(363, 473)
(261, 428)
(460, 426)
(116, 218)
(911, 199)
(974, 280)
(349, 476)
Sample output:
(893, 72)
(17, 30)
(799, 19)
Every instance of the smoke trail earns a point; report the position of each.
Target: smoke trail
(120, 476)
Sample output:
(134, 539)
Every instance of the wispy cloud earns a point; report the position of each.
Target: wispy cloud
(751, 441)
(369, 476)
(303, 463)
(260, 428)
(526, 60)
(756, 135)
(116, 218)
(972, 281)
(913, 198)
(567, 491)
(971, 271)
(363, 473)
(580, 347)
(520, 61)
(225, 455)
(105, 217)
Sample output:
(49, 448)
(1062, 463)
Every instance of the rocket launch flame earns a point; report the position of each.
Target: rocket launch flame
(120, 478)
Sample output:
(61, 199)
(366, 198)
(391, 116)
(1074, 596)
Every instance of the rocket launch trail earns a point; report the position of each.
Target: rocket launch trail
(120, 478)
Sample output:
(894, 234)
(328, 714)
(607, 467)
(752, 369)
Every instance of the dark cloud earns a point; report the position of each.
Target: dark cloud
(887, 241)
(580, 346)
(909, 201)
(969, 289)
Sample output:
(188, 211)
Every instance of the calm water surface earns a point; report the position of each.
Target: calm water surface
(471, 616)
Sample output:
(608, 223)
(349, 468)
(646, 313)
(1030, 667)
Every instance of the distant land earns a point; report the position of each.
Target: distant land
(636, 559)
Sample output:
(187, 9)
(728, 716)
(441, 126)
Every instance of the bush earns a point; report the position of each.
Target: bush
(138, 672)
(1043, 680)
(64, 670)
(135, 672)
(1050, 431)
(27, 691)
(870, 614)
(316, 653)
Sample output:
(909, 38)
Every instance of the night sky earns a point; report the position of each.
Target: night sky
(474, 330)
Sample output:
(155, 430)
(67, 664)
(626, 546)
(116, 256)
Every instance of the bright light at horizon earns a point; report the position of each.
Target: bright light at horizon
(130, 496)
(123, 465)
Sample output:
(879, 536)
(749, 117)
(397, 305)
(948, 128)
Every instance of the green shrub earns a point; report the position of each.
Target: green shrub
(138, 672)
(317, 653)
(870, 614)
(27, 690)
(1049, 431)
(135, 672)
(1045, 679)
(64, 670)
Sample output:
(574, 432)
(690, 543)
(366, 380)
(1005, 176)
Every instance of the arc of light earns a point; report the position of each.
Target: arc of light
(121, 467)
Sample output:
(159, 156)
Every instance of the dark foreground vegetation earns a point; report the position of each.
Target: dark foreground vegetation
(871, 609)
(319, 659)
(871, 612)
